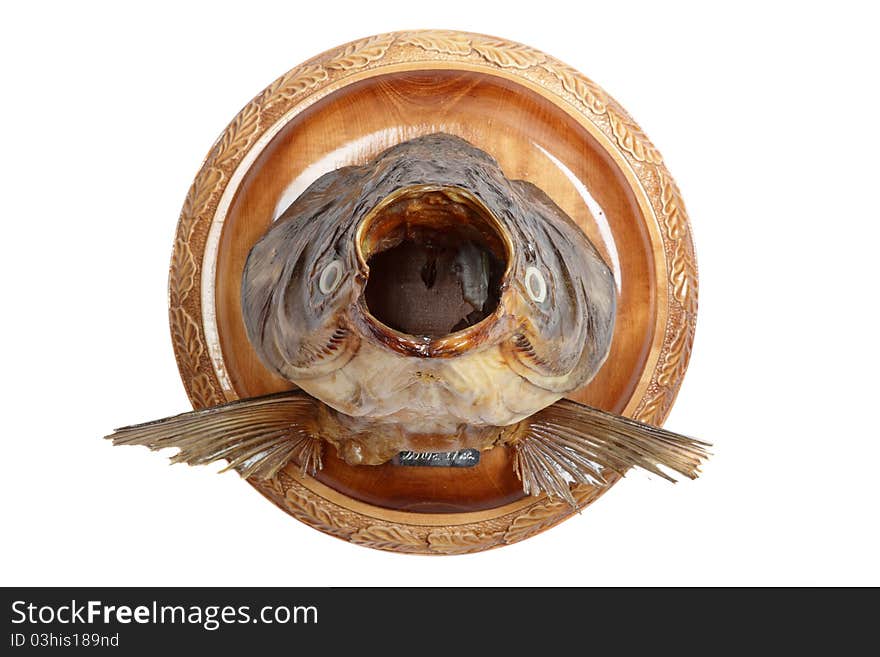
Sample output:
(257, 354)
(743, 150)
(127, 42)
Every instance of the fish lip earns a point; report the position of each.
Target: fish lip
(487, 331)
(455, 192)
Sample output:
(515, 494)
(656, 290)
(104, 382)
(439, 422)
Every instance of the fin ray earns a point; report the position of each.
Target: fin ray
(257, 436)
(571, 443)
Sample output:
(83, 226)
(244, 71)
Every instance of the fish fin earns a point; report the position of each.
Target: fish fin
(570, 442)
(257, 436)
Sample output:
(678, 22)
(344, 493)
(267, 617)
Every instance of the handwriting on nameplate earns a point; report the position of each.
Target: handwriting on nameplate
(463, 458)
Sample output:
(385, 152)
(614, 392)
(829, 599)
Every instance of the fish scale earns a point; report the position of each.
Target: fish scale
(429, 236)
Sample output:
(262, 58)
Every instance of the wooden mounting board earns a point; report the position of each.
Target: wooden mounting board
(543, 122)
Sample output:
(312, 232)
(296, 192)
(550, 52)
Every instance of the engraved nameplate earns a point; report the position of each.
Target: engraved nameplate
(463, 458)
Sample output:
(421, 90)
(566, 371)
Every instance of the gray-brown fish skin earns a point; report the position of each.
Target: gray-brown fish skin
(409, 390)
(372, 391)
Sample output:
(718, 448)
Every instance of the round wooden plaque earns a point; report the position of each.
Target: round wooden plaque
(544, 122)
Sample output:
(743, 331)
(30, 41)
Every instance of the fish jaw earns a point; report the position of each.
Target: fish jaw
(384, 402)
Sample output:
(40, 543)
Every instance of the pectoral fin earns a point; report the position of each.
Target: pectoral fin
(572, 443)
(257, 436)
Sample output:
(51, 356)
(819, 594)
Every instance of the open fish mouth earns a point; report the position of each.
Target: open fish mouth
(428, 251)
(426, 302)
(436, 263)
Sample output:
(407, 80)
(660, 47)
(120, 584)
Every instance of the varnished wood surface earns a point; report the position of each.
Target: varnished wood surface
(427, 489)
(532, 139)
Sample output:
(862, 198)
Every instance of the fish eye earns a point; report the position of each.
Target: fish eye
(330, 277)
(535, 285)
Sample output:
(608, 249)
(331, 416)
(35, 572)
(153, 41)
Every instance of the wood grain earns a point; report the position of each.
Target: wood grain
(517, 127)
(544, 122)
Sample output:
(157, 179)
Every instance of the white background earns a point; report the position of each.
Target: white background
(767, 117)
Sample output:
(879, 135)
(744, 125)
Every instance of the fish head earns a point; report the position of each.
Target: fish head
(429, 252)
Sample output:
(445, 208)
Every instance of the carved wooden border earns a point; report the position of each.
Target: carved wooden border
(558, 81)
